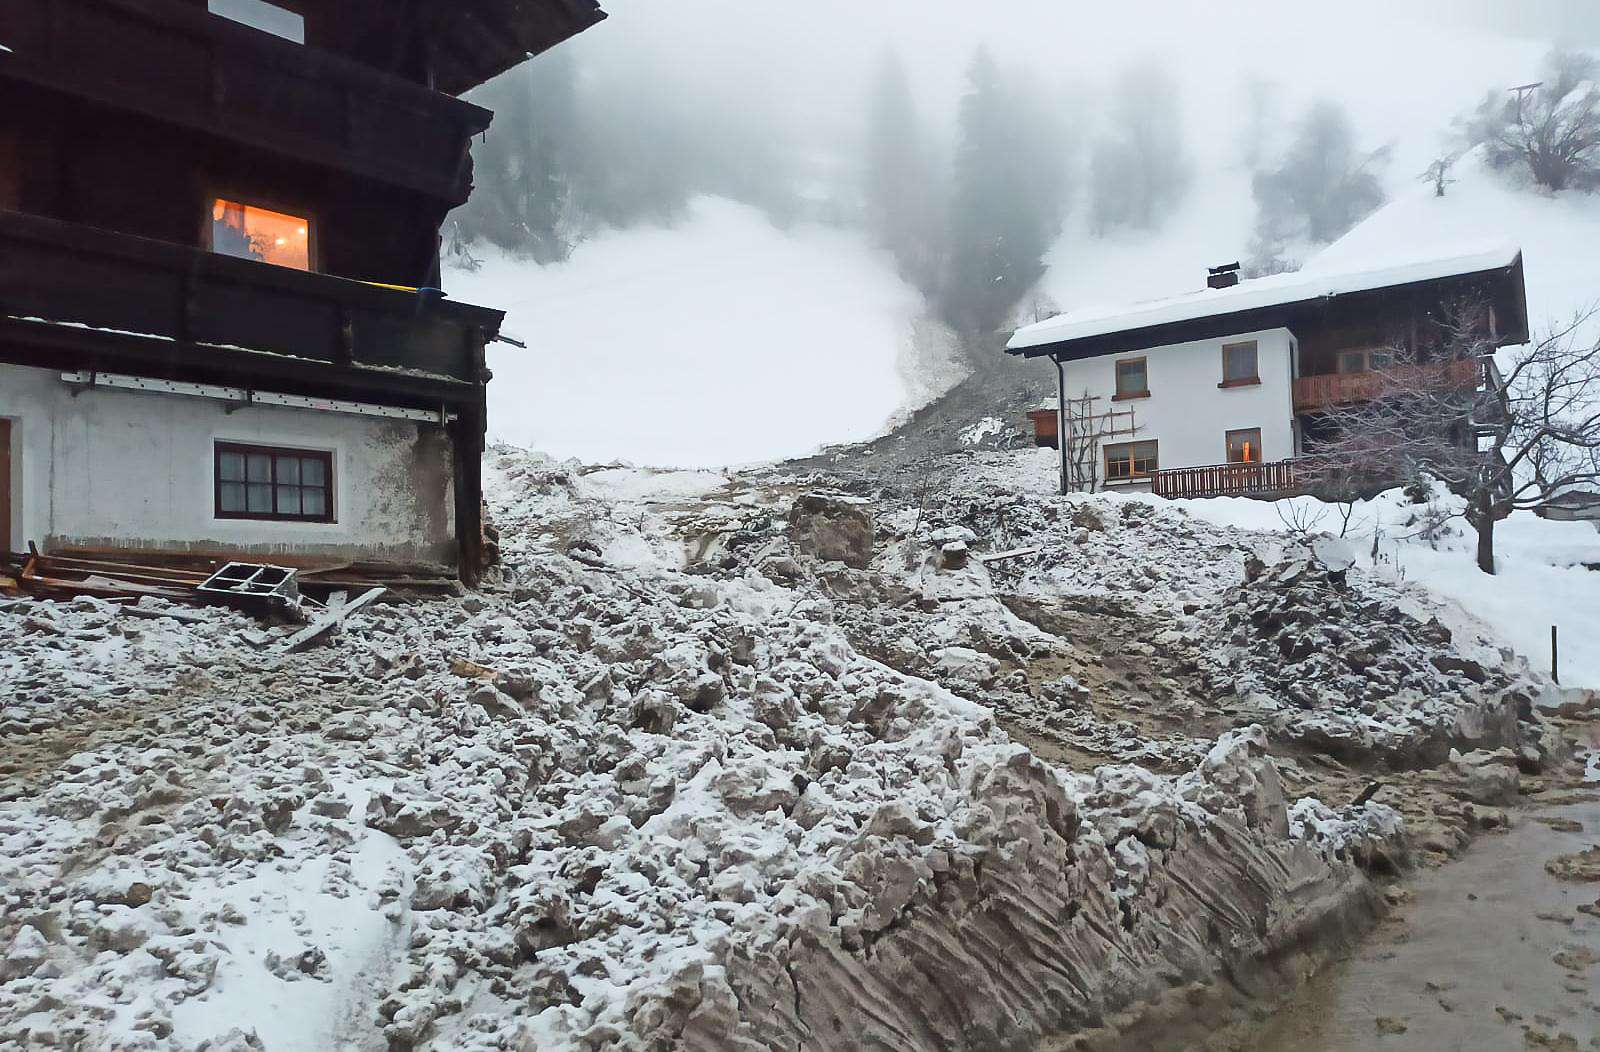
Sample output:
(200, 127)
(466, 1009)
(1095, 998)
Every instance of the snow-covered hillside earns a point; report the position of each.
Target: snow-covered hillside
(1558, 234)
(719, 340)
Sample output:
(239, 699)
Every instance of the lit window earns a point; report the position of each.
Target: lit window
(257, 14)
(249, 232)
(1133, 380)
(1239, 363)
(1130, 460)
(259, 482)
(1244, 446)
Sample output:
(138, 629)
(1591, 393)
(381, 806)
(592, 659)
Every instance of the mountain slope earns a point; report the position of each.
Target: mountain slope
(722, 340)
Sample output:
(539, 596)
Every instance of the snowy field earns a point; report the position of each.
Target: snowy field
(721, 340)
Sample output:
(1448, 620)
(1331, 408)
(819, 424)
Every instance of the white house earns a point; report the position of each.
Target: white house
(1218, 391)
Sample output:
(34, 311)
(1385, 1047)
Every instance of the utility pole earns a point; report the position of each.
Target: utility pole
(1522, 91)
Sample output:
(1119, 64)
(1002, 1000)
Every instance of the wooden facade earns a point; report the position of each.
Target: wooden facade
(128, 123)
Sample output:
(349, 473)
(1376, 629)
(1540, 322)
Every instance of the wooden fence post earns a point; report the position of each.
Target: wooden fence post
(1555, 656)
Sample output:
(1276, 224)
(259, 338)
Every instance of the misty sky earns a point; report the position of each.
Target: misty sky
(1390, 61)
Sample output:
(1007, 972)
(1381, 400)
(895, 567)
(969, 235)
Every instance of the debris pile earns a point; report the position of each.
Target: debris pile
(267, 589)
(1338, 665)
(682, 777)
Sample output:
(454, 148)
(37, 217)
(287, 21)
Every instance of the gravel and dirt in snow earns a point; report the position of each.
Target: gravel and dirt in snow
(786, 759)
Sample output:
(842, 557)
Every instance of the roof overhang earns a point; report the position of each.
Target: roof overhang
(1288, 301)
(480, 39)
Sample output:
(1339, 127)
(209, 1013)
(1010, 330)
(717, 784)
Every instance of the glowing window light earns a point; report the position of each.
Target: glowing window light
(251, 232)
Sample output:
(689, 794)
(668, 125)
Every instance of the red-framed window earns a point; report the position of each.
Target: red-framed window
(272, 483)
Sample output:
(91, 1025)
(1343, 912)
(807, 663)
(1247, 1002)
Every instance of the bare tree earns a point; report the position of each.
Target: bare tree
(1503, 442)
(1438, 173)
(1552, 128)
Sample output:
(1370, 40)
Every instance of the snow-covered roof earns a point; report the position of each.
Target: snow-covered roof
(1278, 290)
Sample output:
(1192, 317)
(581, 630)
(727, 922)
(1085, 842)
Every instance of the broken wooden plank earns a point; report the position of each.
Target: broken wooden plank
(318, 571)
(328, 621)
(50, 566)
(117, 568)
(1014, 553)
(152, 614)
(466, 669)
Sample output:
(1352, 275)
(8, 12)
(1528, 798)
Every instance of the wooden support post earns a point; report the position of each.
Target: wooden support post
(466, 437)
(1061, 422)
(1555, 656)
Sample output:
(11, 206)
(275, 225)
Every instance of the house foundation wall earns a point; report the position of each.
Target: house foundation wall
(128, 469)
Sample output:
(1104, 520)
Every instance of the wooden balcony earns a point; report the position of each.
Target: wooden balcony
(74, 297)
(1277, 478)
(175, 62)
(1315, 393)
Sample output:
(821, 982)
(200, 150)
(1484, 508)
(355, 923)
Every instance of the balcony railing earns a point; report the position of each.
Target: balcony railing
(1274, 478)
(175, 62)
(172, 302)
(1313, 393)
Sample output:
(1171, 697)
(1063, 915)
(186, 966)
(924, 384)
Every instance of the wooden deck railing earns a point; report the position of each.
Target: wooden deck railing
(222, 308)
(1273, 478)
(1312, 393)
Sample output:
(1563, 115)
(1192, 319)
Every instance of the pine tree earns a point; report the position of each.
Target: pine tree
(1006, 208)
(1140, 168)
(1322, 187)
(901, 183)
(523, 198)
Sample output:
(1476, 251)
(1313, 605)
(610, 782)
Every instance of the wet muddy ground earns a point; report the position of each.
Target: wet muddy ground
(1491, 952)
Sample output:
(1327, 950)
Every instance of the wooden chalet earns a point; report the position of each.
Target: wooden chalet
(1226, 391)
(220, 321)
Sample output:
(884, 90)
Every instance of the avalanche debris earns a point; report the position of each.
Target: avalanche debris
(757, 764)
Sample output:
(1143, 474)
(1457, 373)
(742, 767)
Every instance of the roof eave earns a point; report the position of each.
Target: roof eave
(1211, 326)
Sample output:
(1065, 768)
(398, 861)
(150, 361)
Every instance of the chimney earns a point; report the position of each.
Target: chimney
(1223, 277)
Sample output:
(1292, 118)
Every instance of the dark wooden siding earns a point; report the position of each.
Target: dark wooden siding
(171, 60)
(132, 175)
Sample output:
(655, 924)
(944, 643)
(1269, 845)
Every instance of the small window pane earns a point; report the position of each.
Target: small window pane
(230, 467)
(1239, 361)
(1352, 361)
(260, 467)
(311, 502)
(1130, 460)
(311, 473)
(230, 496)
(1131, 378)
(289, 471)
(260, 499)
(261, 234)
(288, 500)
(1244, 447)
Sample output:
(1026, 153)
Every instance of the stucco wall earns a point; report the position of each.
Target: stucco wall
(1187, 413)
(131, 469)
